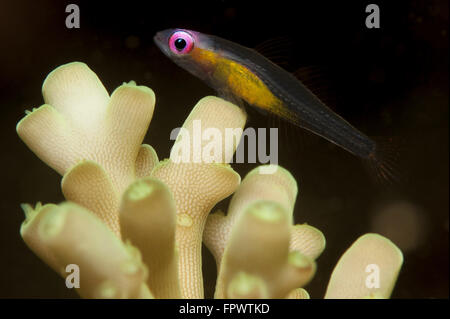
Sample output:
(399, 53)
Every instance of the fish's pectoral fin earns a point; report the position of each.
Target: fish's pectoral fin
(227, 95)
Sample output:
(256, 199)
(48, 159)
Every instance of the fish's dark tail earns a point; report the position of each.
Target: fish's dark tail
(384, 162)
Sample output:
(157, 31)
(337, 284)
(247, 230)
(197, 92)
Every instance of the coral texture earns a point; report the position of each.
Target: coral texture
(135, 225)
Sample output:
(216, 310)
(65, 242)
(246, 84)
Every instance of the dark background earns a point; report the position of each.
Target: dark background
(391, 81)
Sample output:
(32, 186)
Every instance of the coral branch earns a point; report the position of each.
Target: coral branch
(298, 293)
(145, 161)
(45, 131)
(308, 240)
(77, 94)
(197, 187)
(88, 184)
(69, 234)
(245, 286)
(82, 123)
(147, 219)
(371, 253)
(279, 187)
(259, 247)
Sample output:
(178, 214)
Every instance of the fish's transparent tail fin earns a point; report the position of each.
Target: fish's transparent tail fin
(384, 163)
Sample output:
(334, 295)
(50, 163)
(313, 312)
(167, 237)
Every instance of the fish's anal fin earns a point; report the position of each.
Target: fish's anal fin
(319, 81)
(293, 137)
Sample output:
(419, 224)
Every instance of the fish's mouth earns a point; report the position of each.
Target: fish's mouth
(161, 41)
(157, 37)
(158, 40)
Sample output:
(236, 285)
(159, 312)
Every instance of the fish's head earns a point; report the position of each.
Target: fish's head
(189, 49)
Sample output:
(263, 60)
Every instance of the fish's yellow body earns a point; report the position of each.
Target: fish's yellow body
(240, 80)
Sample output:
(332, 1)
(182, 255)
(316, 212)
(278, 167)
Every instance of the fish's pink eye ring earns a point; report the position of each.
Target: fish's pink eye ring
(181, 42)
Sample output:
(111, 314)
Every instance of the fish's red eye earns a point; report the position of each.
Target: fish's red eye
(181, 42)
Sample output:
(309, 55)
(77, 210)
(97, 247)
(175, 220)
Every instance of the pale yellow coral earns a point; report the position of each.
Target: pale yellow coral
(259, 247)
(278, 190)
(371, 256)
(94, 141)
(278, 187)
(81, 122)
(147, 219)
(197, 187)
(69, 234)
(298, 293)
(161, 208)
(308, 240)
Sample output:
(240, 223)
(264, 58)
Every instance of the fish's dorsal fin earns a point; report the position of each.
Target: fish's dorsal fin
(278, 50)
